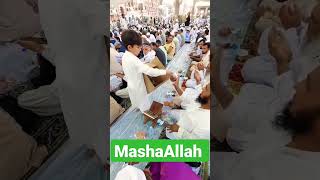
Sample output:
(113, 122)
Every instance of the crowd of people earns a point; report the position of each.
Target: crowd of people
(273, 123)
(159, 41)
(132, 52)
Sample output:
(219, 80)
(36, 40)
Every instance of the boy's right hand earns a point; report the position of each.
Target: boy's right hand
(173, 78)
(148, 174)
(200, 66)
(176, 83)
(169, 104)
(170, 74)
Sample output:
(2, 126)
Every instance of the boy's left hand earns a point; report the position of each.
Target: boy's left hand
(173, 128)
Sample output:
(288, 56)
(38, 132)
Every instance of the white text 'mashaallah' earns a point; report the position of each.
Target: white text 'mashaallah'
(177, 151)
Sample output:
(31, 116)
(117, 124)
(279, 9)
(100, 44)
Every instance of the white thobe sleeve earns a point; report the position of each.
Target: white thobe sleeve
(186, 128)
(184, 134)
(293, 40)
(153, 72)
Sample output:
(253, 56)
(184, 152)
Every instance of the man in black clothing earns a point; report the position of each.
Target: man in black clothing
(187, 23)
(159, 53)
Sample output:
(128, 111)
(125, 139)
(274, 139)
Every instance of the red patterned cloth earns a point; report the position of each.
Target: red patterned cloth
(235, 73)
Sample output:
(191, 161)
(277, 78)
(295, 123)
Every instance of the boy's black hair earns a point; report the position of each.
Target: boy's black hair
(158, 42)
(169, 34)
(207, 44)
(154, 44)
(131, 37)
(202, 40)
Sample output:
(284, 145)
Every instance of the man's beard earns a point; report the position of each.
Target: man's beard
(294, 124)
(201, 100)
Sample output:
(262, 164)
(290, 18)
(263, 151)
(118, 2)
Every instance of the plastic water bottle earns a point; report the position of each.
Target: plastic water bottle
(160, 122)
(181, 79)
(151, 132)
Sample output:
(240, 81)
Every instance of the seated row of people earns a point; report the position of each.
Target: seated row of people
(194, 98)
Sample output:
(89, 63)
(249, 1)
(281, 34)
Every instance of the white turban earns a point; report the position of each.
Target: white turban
(199, 39)
(260, 70)
(191, 83)
(130, 173)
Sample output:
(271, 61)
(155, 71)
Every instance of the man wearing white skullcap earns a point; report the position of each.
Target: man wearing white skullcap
(194, 124)
(298, 158)
(130, 173)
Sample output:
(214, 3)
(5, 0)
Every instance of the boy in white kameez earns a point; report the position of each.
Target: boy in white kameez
(134, 69)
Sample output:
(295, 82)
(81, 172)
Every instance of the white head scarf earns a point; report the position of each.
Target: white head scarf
(149, 57)
(191, 83)
(252, 102)
(130, 173)
(260, 70)
(199, 40)
(247, 112)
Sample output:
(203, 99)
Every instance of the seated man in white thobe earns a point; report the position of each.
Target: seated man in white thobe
(194, 124)
(206, 52)
(148, 53)
(115, 71)
(267, 14)
(302, 32)
(297, 159)
(251, 108)
(186, 98)
(44, 100)
(197, 76)
(176, 41)
(197, 53)
(205, 59)
(117, 80)
(258, 100)
(151, 37)
(134, 69)
(304, 38)
(16, 64)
